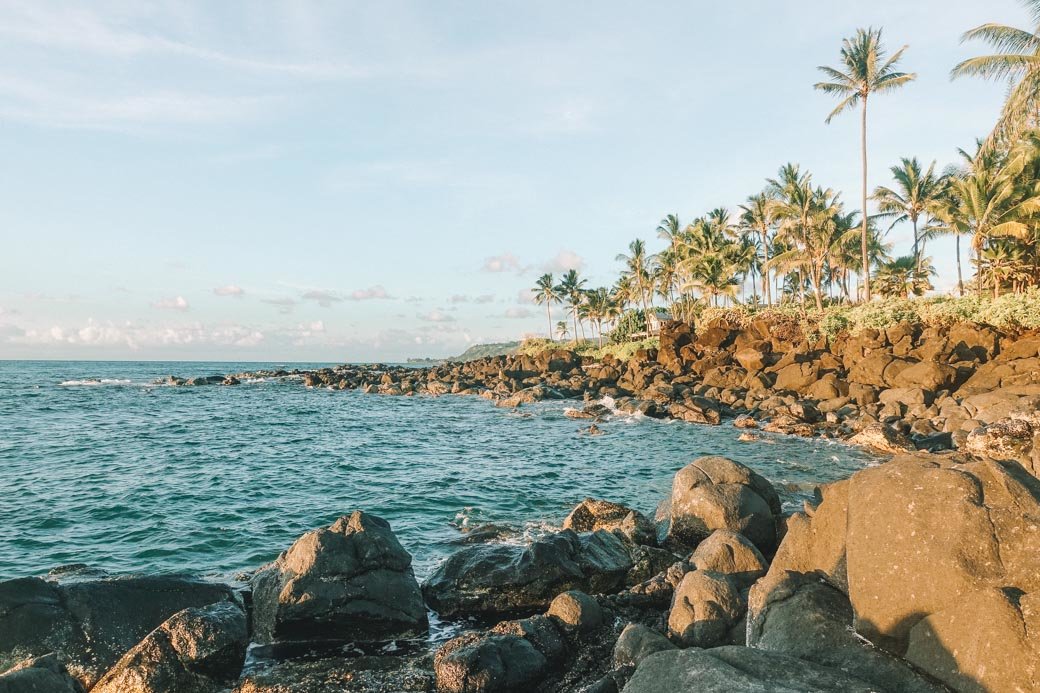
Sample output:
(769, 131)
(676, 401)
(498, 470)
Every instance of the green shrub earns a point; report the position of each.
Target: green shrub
(630, 323)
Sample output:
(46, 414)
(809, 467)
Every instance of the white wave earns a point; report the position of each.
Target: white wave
(94, 382)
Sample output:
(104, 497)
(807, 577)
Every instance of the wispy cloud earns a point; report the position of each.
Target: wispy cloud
(175, 303)
(517, 313)
(284, 304)
(462, 298)
(322, 297)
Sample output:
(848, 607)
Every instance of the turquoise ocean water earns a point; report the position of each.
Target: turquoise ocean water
(99, 466)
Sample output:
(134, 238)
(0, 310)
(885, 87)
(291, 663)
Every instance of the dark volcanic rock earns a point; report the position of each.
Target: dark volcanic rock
(91, 621)
(731, 669)
(352, 581)
(44, 674)
(592, 514)
(506, 578)
(198, 650)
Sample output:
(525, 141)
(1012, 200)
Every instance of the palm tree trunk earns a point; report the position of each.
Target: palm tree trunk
(863, 239)
(766, 289)
(960, 281)
(574, 315)
(917, 252)
(548, 314)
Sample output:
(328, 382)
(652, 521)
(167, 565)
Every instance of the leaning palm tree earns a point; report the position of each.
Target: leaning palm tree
(545, 291)
(866, 71)
(572, 289)
(637, 266)
(1016, 62)
(916, 190)
(757, 218)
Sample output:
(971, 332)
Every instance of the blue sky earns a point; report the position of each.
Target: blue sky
(376, 180)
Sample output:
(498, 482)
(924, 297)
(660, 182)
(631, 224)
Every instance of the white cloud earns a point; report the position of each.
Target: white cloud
(376, 292)
(175, 303)
(563, 261)
(436, 316)
(517, 313)
(229, 290)
(506, 262)
(140, 336)
(462, 298)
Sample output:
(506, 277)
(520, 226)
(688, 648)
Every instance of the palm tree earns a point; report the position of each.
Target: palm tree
(562, 330)
(1017, 62)
(904, 277)
(757, 218)
(916, 191)
(572, 289)
(545, 291)
(637, 264)
(867, 71)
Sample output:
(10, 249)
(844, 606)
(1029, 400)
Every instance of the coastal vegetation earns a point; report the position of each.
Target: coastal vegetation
(797, 248)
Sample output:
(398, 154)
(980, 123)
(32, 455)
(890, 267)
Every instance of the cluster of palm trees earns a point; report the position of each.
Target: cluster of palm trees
(796, 241)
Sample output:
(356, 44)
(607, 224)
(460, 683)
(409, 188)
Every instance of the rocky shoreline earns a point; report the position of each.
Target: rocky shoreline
(920, 574)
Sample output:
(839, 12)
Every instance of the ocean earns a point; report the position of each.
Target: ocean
(100, 466)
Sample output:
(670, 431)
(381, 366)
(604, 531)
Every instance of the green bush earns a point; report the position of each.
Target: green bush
(630, 323)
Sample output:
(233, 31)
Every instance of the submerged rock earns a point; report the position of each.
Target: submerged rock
(507, 578)
(352, 581)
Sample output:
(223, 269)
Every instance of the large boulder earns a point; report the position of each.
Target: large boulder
(508, 578)
(592, 514)
(927, 375)
(90, 620)
(717, 493)
(352, 580)
(705, 607)
(940, 558)
(803, 616)
(199, 649)
(1013, 438)
(730, 669)
(883, 438)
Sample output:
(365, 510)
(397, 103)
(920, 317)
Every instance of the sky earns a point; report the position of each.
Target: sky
(356, 181)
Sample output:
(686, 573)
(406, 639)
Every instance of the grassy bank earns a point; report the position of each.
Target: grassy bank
(588, 348)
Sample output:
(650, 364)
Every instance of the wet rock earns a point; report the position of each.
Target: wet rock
(352, 580)
(90, 621)
(592, 514)
(717, 493)
(384, 673)
(636, 643)
(474, 663)
(883, 438)
(507, 578)
(199, 649)
(730, 553)
(729, 669)
(705, 607)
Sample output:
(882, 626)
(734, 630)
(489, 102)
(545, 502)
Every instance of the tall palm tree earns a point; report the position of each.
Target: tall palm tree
(572, 289)
(915, 192)
(562, 330)
(545, 291)
(757, 218)
(637, 265)
(1017, 62)
(866, 71)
